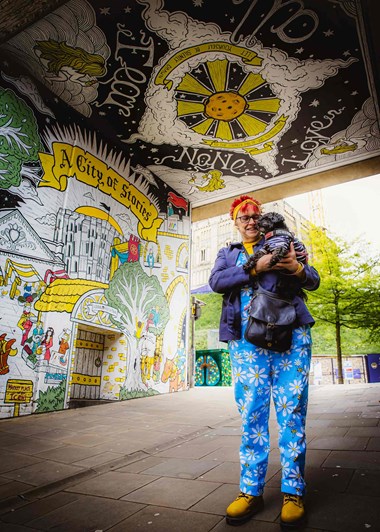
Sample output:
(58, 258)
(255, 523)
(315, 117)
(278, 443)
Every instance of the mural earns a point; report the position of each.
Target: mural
(94, 269)
(114, 121)
(215, 102)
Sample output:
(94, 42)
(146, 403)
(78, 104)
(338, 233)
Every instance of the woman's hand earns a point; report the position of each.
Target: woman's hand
(288, 263)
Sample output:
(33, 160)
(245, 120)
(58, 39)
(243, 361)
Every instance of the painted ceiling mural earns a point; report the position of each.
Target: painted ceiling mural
(213, 101)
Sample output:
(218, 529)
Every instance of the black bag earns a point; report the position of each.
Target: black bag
(271, 321)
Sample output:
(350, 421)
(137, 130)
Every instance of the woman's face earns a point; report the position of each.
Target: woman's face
(248, 230)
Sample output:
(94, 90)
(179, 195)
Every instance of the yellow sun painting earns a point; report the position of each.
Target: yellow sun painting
(219, 99)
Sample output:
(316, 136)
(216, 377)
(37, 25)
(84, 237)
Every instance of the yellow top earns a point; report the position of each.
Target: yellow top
(250, 245)
(249, 248)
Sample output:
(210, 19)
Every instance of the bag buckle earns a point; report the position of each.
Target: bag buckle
(269, 334)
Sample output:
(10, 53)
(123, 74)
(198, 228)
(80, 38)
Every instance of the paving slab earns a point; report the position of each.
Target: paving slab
(365, 482)
(161, 519)
(343, 443)
(38, 508)
(112, 485)
(181, 468)
(343, 512)
(172, 492)
(85, 514)
(353, 460)
(12, 461)
(373, 444)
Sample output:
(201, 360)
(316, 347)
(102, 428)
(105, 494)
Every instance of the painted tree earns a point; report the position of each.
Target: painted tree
(19, 140)
(141, 303)
(349, 292)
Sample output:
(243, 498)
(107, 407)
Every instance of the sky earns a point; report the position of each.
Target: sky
(350, 210)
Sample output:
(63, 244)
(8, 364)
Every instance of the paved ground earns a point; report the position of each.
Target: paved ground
(170, 463)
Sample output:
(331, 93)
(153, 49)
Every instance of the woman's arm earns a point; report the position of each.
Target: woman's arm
(225, 278)
(307, 275)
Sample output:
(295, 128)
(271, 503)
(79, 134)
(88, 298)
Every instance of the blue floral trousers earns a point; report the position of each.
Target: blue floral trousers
(258, 375)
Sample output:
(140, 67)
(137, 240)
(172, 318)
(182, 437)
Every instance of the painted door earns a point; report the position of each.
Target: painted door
(88, 365)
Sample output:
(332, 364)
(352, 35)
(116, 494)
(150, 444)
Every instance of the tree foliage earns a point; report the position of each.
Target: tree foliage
(19, 140)
(136, 296)
(348, 296)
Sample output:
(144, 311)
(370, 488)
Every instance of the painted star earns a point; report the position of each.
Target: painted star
(127, 9)
(328, 33)
(346, 53)
(104, 10)
(295, 141)
(314, 103)
(232, 20)
(198, 3)
(299, 50)
(354, 93)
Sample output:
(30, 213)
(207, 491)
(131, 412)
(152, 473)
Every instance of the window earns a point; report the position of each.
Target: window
(203, 255)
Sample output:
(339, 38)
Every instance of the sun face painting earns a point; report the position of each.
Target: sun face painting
(219, 99)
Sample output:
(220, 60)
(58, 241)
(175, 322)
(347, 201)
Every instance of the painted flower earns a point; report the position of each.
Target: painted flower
(259, 471)
(303, 335)
(295, 473)
(296, 386)
(293, 448)
(242, 407)
(249, 482)
(262, 351)
(285, 468)
(239, 374)
(259, 435)
(251, 356)
(285, 364)
(248, 396)
(254, 417)
(292, 484)
(256, 375)
(250, 454)
(284, 405)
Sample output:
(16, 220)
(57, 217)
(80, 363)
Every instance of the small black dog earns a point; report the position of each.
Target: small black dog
(278, 239)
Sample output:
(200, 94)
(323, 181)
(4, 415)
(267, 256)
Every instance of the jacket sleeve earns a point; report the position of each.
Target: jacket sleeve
(312, 279)
(225, 278)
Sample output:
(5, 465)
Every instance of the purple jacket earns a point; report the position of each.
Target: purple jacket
(228, 279)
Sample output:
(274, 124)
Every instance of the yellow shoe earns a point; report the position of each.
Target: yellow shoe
(243, 508)
(293, 510)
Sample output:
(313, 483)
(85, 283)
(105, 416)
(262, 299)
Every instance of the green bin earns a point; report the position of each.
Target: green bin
(213, 367)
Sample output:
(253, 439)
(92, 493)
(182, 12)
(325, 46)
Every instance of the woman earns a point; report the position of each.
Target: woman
(259, 373)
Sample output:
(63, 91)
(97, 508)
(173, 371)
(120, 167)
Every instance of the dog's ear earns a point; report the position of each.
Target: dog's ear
(278, 218)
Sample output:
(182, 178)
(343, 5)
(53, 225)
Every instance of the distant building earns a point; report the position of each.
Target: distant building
(208, 236)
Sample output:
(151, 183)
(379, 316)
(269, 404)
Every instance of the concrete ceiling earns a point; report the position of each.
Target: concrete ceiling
(271, 97)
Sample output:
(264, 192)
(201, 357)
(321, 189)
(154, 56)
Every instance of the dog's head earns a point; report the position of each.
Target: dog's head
(270, 221)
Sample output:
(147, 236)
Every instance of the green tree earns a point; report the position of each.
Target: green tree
(135, 295)
(19, 140)
(348, 296)
(209, 319)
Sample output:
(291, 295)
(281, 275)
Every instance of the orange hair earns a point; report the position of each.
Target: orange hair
(247, 200)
